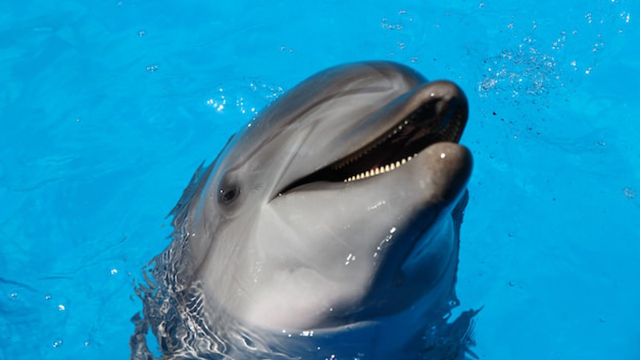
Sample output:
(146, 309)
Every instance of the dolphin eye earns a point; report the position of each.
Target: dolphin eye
(227, 194)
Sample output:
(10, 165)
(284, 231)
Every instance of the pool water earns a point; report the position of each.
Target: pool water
(109, 107)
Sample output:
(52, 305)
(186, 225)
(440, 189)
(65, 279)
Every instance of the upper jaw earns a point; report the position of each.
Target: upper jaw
(431, 113)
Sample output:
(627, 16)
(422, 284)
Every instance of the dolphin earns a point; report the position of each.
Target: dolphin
(327, 228)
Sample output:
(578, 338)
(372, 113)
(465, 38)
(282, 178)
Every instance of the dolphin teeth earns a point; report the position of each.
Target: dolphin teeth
(379, 170)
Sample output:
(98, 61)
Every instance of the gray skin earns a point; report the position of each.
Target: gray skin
(365, 266)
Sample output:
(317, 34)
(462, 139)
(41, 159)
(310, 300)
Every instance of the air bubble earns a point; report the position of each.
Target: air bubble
(629, 193)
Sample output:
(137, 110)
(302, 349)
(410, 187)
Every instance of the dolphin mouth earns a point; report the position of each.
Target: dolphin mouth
(423, 122)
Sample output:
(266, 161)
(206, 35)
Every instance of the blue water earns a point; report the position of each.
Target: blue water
(107, 108)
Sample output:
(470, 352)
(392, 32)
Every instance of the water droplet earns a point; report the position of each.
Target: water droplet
(629, 193)
(588, 17)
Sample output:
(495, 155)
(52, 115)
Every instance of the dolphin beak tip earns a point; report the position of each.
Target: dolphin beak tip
(448, 165)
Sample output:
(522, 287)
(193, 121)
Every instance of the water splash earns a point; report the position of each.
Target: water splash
(244, 97)
(520, 70)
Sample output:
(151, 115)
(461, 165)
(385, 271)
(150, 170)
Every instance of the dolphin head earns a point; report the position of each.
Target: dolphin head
(334, 206)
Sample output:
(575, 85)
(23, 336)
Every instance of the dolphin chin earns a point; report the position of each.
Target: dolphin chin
(329, 224)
